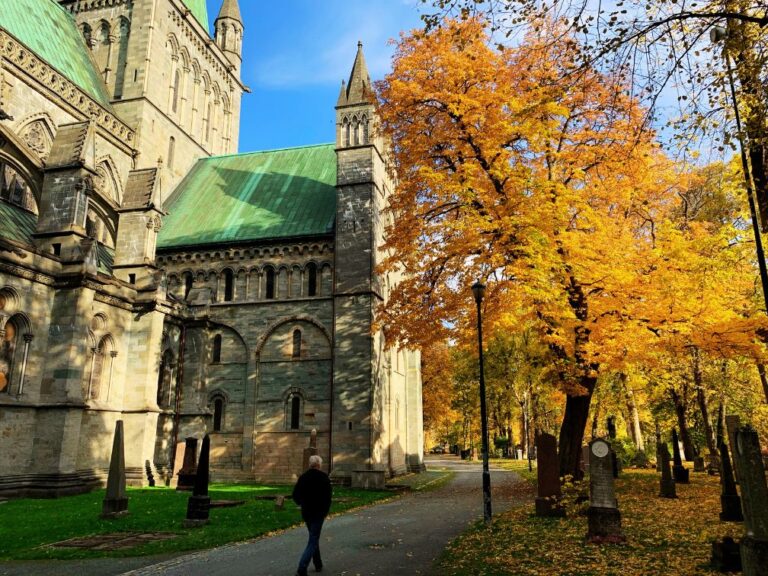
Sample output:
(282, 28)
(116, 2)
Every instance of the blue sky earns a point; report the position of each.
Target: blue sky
(295, 54)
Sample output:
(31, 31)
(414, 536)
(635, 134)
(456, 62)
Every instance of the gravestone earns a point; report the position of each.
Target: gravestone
(604, 518)
(667, 483)
(679, 472)
(116, 502)
(311, 450)
(199, 504)
(754, 498)
(731, 424)
(189, 468)
(726, 555)
(611, 426)
(698, 464)
(730, 503)
(280, 503)
(548, 475)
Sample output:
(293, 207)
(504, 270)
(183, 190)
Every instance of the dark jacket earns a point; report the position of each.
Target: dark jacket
(313, 493)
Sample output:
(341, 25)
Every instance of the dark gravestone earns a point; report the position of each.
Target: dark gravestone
(311, 450)
(116, 502)
(726, 556)
(754, 498)
(189, 468)
(731, 424)
(611, 425)
(199, 504)
(730, 503)
(548, 485)
(667, 483)
(604, 518)
(698, 464)
(679, 472)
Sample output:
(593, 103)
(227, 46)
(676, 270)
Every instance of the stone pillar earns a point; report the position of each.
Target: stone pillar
(604, 518)
(199, 504)
(311, 450)
(548, 485)
(680, 472)
(754, 493)
(188, 470)
(667, 483)
(730, 503)
(116, 502)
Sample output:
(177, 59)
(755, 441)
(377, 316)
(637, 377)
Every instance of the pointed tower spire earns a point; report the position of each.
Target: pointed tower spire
(230, 9)
(359, 86)
(229, 32)
(342, 101)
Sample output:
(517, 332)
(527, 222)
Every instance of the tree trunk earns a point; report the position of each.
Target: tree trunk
(682, 423)
(596, 419)
(572, 430)
(763, 379)
(702, 401)
(634, 416)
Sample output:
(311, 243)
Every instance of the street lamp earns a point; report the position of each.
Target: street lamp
(719, 34)
(478, 290)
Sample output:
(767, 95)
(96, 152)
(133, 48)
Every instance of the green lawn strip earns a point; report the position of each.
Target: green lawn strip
(519, 466)
(663, 537)
(424, 481)
(28, 527)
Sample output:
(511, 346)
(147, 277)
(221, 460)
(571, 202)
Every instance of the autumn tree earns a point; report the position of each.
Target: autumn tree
(667, 50)
(548, 190)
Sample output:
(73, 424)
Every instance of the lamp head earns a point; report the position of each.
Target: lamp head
(478, 289)
(717, 34)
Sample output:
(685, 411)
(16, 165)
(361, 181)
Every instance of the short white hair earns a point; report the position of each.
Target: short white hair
(315, 461)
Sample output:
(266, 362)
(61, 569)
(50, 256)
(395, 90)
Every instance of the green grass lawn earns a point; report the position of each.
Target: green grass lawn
(28, 527)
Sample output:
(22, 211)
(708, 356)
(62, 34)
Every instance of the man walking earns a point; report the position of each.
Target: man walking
(313, 493)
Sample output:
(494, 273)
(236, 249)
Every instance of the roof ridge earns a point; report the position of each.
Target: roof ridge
(253, 152)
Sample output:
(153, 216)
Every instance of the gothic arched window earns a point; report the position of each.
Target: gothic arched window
(207, 121)
(171, 151)
(311, 279)
(218, 414)
(270, 280)
(357, 131)
(188, 282)
(7, 356)
(164, 380)
(296, 344)
(347, 133)
(295, 412)
(216, 356)
(366, 134)
(229, 286)
(175, 90)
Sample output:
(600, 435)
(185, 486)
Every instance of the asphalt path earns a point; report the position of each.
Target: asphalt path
(400, 537)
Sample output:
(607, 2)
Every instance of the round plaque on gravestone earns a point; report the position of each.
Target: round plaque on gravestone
(600, 449)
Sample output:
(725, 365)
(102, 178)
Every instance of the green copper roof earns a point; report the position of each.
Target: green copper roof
(16, 224)
(49, 31)
(257, 196)
(199, 11)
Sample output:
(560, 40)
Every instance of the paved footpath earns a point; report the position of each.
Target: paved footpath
(401, 537)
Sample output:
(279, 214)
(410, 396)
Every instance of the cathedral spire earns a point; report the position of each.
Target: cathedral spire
(342, 101)
(230, 9)
(359, 86)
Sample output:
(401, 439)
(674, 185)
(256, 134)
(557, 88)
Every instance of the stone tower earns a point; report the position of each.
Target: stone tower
(360, 403)
(229, 33)
(166, 78)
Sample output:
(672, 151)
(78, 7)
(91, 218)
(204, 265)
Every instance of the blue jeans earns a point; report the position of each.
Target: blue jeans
(312, 551)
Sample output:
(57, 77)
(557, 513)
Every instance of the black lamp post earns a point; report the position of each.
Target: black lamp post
(478, 290)
(718, 34)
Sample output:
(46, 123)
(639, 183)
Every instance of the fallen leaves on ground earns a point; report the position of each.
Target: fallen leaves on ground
(670, 537)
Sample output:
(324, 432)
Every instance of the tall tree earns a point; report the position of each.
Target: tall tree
(548, 190)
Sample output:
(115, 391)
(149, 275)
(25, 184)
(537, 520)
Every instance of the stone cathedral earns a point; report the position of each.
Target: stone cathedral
(149, 273)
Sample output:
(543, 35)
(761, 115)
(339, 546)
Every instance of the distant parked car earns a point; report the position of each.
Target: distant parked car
(438, 450)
